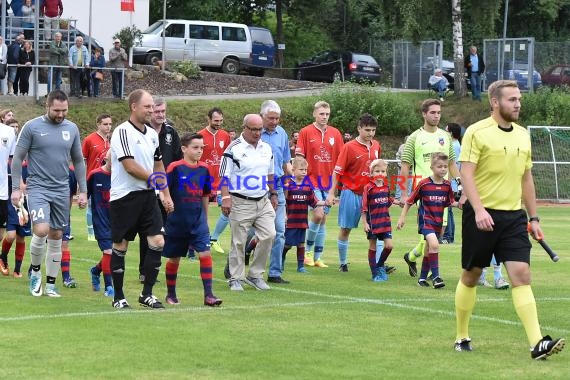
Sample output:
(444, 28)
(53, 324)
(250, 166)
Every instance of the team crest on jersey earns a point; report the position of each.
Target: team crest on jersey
(222, 144)
(441, 141)
(331, 141)
(66, 136)
(4, 141)
(168, 138)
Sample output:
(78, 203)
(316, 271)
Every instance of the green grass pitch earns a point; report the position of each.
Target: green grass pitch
(324, 325)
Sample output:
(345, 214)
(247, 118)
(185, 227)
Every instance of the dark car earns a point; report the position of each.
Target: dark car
(517, 71)
(558, 75)
(330, 66)
(74, 33)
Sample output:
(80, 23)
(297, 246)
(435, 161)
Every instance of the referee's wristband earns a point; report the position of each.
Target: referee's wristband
(226, 197)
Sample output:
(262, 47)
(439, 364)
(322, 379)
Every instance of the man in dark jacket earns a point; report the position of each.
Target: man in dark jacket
(13, 59)
(475, 68)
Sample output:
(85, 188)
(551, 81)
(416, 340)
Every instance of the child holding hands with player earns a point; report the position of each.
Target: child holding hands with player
(434, 194)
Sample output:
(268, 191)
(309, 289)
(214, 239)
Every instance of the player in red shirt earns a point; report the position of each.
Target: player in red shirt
(320, 144)
(216, 140)
(434, 194)
(352, 171)
(94, 148)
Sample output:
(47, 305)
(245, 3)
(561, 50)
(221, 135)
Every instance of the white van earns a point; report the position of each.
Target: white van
(208, 43)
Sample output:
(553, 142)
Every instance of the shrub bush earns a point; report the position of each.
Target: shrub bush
(187, 68)
(394, 112)
(547, 106)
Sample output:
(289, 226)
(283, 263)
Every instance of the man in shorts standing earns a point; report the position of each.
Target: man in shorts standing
(50, 142)
(352, 171)
(137, 172)
(320, 144)
(496, 174)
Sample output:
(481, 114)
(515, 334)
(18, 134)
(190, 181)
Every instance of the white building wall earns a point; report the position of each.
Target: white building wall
(107, 18)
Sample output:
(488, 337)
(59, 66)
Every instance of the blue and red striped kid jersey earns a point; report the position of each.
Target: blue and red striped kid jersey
(188, 184)
(99, 193)
(376, 201)
(299, 198)
(433, 198)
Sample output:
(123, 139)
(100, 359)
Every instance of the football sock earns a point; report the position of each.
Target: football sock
(372, 262)
(118, 272)
(425, 268)
(20, 251)
(384, 256)
(221, 225)
(434, 263)
(379, 248)
(37, 250)
(343, 251)
(5, 249)
(496, 269)
(206, 274)
(143, 249)
(53, 260)
(284, 255)
(320, 242)
(65, 263)
(106, 269)
(483, 275)
(525, 306)
(417, 251)
(312, 235)
(464, 305)
(171, 272)
(300, 257)
(151, 268)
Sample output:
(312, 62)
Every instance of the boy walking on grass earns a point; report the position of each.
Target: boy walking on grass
(187, 225)
(375, 217)
(434, 194)
(298, 197)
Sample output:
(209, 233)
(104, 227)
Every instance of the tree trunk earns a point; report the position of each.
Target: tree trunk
(460, 89)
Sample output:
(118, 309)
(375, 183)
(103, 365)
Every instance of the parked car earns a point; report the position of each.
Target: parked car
(262, 50)
(219, 45)
(517, 71)
(330, 66)
(557, 75)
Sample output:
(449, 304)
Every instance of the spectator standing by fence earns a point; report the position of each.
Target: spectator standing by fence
(78, 61)
(97, 61)
(57, 57)
(117, 59)
(27, 59)
(13, 60)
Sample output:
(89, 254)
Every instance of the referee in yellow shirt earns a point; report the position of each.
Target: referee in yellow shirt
(496, 174)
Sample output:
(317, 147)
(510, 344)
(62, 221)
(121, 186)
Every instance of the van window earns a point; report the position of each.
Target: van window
(205, 32)
(175, 30)
(230, 33)
(262, 36)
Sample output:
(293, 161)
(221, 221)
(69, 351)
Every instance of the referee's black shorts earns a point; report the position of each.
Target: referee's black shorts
(508, 241)
(135, 213)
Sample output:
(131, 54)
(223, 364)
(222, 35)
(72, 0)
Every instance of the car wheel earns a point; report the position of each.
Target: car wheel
(230, 66)
(153, 58)
(336, 77)
(299, 75)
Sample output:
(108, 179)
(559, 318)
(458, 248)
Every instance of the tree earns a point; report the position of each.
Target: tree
(460, 88)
